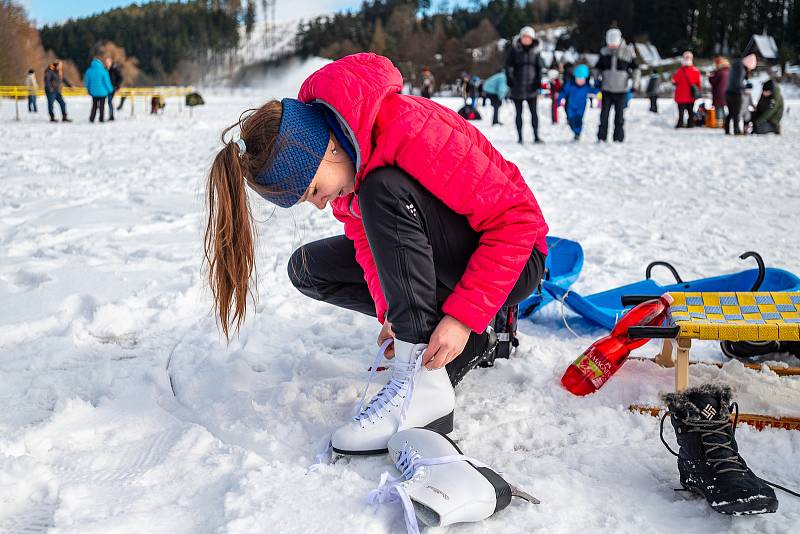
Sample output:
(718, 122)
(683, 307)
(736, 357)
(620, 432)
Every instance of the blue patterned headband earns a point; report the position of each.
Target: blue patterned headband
(302, 140)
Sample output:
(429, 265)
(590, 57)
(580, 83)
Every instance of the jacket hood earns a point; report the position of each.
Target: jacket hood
(624, 52)
(354, 88)
(516, 44)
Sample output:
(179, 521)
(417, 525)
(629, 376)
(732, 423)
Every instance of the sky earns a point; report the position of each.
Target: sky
(54, 11)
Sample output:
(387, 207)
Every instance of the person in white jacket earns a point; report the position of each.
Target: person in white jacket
(33, 86)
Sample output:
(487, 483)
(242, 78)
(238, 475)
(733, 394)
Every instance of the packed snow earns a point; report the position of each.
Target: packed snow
(105, 312)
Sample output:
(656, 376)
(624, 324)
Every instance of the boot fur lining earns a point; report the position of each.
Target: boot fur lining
(679, 402)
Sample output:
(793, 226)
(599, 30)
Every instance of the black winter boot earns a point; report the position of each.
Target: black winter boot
(478, 347)
(708, 460)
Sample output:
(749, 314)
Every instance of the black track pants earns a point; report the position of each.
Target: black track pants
(421, 249)
(734, 101)
(688, 110)
(617, 101)
(534, 116)
(98, 105)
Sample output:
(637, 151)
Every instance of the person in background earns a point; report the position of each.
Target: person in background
(555, 89)
(496, 88)
(734, 93)
(687, 89)
(652, 91)
(54, 81)
(98, 84)
(566, 73)
(157, 104)
(464, 86)
(428, 83)
(524, 67)
(574, 97)
(616, 67)
(769, 110)
(116, 77)
(473, 91)
(33, 86)
(719, 84)
(698, 117)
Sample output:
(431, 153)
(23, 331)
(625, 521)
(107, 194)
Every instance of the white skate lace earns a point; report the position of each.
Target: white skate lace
(409, 462)
(402, 373)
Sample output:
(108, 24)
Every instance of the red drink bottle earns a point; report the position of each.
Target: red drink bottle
(605, 356)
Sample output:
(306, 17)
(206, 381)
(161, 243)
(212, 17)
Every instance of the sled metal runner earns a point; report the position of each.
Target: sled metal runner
(777, 369)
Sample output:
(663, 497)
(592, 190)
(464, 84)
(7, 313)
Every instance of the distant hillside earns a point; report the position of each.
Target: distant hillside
(172, 41)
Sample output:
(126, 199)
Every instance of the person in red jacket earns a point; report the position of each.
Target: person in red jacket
(687, 89)
(440, 230)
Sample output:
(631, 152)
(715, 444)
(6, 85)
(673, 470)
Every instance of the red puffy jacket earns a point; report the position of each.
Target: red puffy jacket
(683, 79)
(451, 159)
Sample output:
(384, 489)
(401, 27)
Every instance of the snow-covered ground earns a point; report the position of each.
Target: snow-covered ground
(102, 292)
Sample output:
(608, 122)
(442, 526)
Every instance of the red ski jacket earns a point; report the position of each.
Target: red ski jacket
(683, 79)
(451, 159)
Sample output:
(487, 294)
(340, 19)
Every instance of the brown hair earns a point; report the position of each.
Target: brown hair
(229, 237)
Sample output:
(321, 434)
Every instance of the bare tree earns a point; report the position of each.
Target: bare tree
(129, 65)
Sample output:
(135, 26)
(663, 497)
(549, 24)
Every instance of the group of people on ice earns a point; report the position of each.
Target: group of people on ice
(102, 80)
(524, 71)
(612, 79)
(730, 96)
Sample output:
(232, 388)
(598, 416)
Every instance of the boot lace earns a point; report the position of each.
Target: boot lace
(714, 436)
(722, 433)
(403, 374)
(411, 465)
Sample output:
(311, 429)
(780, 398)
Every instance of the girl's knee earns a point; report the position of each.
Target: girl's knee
(296, 268)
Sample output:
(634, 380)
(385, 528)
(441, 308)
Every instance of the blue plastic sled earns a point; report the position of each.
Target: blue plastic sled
(606, 307)
(562, 267)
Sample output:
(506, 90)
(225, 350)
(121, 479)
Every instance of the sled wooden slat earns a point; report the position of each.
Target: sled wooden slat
(777, 369)
(760, 422)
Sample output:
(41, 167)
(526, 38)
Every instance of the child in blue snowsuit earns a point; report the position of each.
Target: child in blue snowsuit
(575, 93)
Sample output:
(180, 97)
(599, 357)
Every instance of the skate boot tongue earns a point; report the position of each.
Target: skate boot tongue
(407, 352)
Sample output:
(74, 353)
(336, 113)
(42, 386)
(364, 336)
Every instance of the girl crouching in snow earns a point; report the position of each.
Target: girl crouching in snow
(439, 230)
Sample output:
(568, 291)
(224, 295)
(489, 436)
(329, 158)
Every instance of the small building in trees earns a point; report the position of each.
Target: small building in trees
(764, 47)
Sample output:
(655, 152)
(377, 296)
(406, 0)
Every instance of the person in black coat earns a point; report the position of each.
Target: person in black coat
(115, 73)
(524, 67)
(652, 91)
(734, 94)
(54, 81)
(616, 68)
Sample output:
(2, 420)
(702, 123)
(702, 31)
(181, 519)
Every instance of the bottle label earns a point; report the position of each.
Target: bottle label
(594, 366)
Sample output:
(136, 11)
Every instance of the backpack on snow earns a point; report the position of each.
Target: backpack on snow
(504, 327)
(194, 99)
(469, 113)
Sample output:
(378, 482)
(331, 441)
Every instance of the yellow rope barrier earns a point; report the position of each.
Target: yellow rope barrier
(20, 91)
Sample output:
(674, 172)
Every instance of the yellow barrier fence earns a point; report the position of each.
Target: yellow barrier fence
(18, 92)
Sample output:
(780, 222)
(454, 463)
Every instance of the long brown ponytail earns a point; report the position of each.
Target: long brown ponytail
(229, 238)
